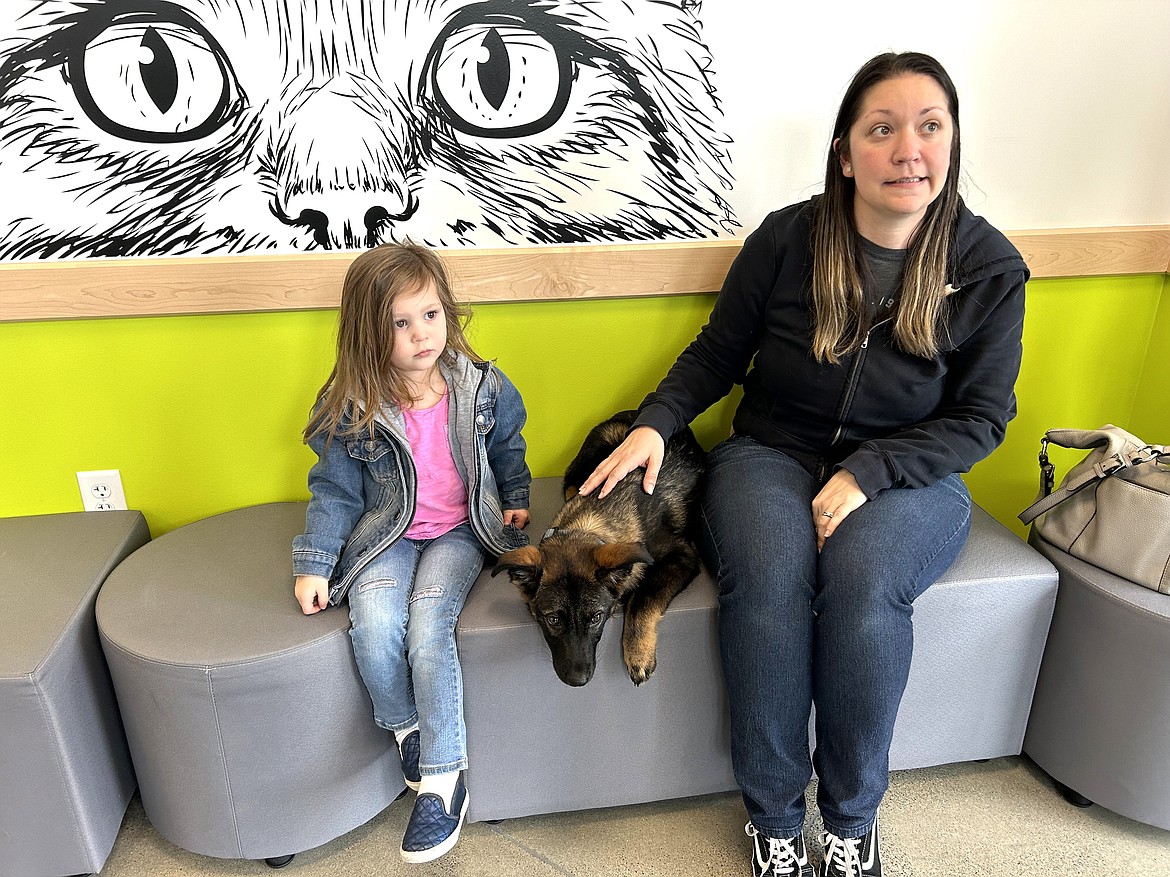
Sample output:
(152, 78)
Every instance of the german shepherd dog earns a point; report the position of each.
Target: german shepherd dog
(630, 549)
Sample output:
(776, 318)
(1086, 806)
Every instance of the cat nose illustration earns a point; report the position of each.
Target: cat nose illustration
(340, 158)
(347, 219)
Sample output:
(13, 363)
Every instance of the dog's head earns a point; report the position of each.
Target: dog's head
(572, 587)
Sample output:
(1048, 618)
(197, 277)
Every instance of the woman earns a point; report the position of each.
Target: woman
(876, 330)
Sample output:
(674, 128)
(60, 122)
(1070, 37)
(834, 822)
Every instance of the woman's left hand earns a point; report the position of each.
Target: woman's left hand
(516, 517)
(838, 498)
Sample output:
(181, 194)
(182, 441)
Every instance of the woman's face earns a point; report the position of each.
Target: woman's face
(898, 153)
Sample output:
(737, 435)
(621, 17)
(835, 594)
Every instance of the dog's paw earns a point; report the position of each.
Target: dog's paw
(641, 669)
(639, 649)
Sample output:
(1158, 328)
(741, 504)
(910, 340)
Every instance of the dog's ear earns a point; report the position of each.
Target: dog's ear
(524, 566)
(615, 560)
(614, 555)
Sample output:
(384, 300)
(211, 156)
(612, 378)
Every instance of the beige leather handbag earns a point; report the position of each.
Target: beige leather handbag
(1113, 508)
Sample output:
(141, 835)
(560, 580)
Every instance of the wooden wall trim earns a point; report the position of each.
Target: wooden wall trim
(1087, 252)
(228, 284)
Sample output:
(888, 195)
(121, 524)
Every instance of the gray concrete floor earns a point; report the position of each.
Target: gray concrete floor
(1002, 817)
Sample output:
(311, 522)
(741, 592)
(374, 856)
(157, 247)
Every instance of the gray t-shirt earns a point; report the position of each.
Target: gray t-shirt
(884, 268)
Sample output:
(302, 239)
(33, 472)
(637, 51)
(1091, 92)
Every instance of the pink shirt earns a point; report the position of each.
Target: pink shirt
(442, 497)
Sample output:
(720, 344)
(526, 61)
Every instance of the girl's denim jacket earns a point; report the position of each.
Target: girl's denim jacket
(363, 487)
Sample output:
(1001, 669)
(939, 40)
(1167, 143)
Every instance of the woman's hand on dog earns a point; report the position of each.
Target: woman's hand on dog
(644, 446)
(312, 593)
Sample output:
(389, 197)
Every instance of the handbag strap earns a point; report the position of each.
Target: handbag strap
(1110, 465)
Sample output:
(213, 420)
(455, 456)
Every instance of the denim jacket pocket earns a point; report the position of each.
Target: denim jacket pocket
(367, 449)
(378, 456)
(485, 418)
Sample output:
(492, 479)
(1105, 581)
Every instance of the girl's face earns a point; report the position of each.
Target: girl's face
(420, 334)
(898, 154)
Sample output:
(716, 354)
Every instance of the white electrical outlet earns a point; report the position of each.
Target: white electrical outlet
(101, 490)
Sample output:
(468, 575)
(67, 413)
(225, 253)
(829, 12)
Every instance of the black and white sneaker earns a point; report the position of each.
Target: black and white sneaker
(433, 827)
(778, 857)
(408, 754)
(852, 856)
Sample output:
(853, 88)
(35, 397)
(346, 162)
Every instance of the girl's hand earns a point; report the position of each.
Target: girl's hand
(517, 517)
(838, 498)
(312, 593)
(642, 447)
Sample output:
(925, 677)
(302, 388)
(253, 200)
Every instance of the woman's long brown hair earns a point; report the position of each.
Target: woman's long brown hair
(363, 378)
(837, 293)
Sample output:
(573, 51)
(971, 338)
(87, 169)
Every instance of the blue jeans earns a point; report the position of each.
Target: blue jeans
(403, 607)
(834, 628)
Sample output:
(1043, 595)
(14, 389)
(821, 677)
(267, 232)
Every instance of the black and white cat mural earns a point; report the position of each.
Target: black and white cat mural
(137, 128)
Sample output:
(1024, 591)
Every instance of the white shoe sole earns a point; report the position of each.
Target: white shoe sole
(419, 857)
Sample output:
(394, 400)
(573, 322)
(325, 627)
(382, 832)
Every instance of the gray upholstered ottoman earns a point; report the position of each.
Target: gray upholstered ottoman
(65, 772)
(1100, 723)
(536, 745)
(250, 730)
(979, 635)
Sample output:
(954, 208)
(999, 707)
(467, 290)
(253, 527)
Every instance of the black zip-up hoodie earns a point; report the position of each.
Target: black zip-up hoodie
(890, 418)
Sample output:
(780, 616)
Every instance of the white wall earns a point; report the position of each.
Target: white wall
(1065, 104)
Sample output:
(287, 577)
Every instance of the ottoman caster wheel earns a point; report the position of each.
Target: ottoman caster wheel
(1074, 798)
(279, 861)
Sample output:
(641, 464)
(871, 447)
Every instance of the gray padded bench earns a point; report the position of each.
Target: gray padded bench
(65, 775)
(536, 745)
(250, 730)
(221, 680)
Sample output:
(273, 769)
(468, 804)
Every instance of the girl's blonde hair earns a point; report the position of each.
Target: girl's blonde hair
(838, 268)
(363, 378)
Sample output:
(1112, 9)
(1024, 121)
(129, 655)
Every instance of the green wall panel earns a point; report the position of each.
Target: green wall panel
(1151, 420)
(1085, 344)
(197, 413)
(203, 414)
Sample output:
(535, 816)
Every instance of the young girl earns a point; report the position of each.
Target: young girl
(421, 470)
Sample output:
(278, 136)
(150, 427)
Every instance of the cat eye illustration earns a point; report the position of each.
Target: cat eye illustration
(152, 79)
(499, 79)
